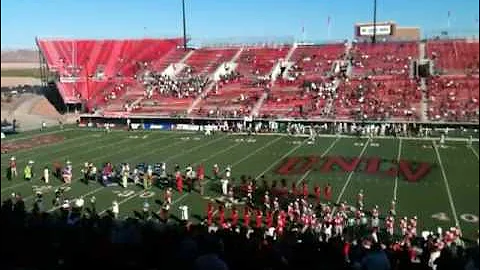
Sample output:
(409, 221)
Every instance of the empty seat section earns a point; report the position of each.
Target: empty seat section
(285, 102)
(80, 61)
(384, 58)
(172, 57)
(453, 98)
(232, 99)
(313, 61)
(206, 61)
(378, 99)
(260, 61)
(454, 56)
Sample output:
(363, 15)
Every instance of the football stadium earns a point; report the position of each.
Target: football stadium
(356, 153)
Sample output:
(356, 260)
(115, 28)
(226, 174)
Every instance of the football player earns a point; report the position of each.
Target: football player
(13, 168)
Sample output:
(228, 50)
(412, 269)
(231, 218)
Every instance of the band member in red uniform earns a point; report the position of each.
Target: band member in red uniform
(318, 193)
(269, 219)
(258, 218)
(283, 216)
(280, 226)
(246, 217)
(200, 177)
(221, 214)
(179, 180)
(209, 214)
(305, 190)
(234, 217)
(328, 192)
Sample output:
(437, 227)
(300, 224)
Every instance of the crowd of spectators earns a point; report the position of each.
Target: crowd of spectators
(371, 99)
(81, 239)
(383, 58)
(453, 98)
(230, 76)
(185, 85)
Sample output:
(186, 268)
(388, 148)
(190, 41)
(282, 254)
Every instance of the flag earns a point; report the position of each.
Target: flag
(448, 20)
(328, 27)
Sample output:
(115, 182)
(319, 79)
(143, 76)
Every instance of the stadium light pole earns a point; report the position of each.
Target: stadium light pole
(184, 27)
(374, 37)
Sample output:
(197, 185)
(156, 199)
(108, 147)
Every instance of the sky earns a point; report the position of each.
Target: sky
(222, 20)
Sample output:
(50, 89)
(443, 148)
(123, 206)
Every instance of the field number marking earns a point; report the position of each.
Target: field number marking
(467, 217)
(124, 193)
(147, 194)
(441, 216)
(42, 189)
(246, 140)
(128, 193)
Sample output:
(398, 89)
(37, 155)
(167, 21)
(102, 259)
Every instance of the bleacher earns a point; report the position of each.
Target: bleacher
(105, 72)
(172, 57)
(205, 61)
(453, 98)
(314, 61)
(454, 56)
(232, 99)
(378, 98)
(284, 102)
(84, 65)
(260, 61)
(384, 58)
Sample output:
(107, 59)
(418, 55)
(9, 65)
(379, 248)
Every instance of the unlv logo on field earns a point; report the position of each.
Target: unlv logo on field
(409, 170)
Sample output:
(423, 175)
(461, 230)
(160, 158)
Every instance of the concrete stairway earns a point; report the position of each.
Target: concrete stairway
(258, 105)
(424, 101)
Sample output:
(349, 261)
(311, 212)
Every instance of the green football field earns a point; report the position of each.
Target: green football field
(444, 195)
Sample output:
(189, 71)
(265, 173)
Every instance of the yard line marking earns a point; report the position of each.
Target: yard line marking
(14, 186)
(48, 152)
(447, 186)
(275, 162)
(107, 155)
(71, 149)
(82, 153)
(349, 178)
(451, 139)
(33, 135)
(280, 159)
(233, 165)
(473, 150)
(84, 195)
(395, 188)
(323, 154)
(171, 157)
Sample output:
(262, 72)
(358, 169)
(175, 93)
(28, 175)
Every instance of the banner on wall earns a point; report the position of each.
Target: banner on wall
(150, 126)
(116, 114)
(380, 30)
(135, 125)
(188, 127)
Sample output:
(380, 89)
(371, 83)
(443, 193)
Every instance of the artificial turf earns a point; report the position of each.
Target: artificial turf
(450, 189)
